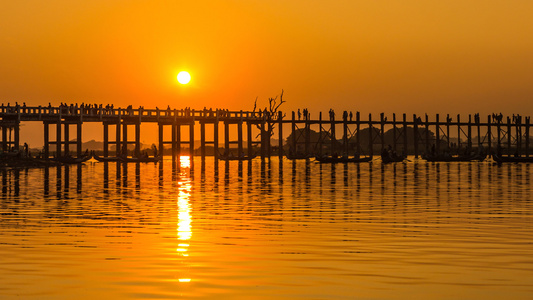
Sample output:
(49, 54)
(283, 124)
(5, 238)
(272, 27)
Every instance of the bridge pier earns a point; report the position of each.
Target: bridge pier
(405, 137)
(249, 138)
(79, 139)
(58, 139)
(106, 139)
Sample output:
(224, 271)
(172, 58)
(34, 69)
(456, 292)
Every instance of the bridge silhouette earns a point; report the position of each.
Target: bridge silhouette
(307, 136)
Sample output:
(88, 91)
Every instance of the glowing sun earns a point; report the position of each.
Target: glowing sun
(184, 77)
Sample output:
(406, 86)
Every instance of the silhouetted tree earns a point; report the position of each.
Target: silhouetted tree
(270, 112)
(270, 115)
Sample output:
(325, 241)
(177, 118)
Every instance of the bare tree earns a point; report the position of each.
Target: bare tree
(270, 114)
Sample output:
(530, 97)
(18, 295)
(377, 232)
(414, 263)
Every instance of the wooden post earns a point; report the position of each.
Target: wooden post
(448, 131)
(191, 139)
(117, 138)
(46, 140)
(345, 133)
(240, 138)
(415, 134)
(427, 134)
(405, 140)
(106, 139)
(478, 131)
(458, 132)
(382, 130)
(124, 139)
(499, 133)
(58, 139)
(394, 132)
(320, 137)
(293, 135)
(370, 138)
(138, 139)
(518, 132)
(333, 136)
(469, 147)
(527, 136)
(160, 135)
(175, 141)
(437, 134)
(263, 138)
(267, 137)
(250, 144)
(67, 140)
(202, 140)
(358, 133)
(489, 134)
(280, 135)
(79, 139)
(215, 138)
(226, 138)
(307, 136)
(509, 141)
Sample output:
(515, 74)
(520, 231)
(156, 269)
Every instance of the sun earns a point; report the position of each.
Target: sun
(184, 77)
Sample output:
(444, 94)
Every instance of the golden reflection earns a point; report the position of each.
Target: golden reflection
(184, 212)
(185, 161)
(184, 219)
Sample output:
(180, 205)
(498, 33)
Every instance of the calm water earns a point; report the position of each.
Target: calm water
(299, 230)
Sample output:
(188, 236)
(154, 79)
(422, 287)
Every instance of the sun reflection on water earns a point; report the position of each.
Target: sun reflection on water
(185, 161)
(184, 220)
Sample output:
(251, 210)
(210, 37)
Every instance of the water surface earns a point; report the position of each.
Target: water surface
(295, 230)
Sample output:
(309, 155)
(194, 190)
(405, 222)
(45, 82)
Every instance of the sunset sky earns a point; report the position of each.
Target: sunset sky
(369, 56)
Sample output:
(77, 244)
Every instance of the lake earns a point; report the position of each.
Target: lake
(289, 230)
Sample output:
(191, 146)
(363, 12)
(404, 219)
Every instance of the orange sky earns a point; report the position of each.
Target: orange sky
(372, 56)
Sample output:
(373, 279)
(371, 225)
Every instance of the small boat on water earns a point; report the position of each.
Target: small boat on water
(10, 154)
(392, 158)
(71, 160)
(140, 159)
(106, 159)
(298, 156)
(342, 159)
(231, 157)
(449, 158)
(516, 159)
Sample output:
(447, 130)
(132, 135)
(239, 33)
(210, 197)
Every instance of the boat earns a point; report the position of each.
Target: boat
(298, 156)
(392, 158)
(460, 158)
(342, 159)
(516, 159)
(388, 155)
(231, 157)
(10, 154)
(106, 159)
(140, 159)
(71, 160)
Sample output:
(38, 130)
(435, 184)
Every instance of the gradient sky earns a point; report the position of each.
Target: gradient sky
(369, 56)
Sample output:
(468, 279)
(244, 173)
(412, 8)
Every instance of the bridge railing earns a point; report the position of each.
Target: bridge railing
(86, 111)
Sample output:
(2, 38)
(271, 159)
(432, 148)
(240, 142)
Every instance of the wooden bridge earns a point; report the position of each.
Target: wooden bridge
(307, 136)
